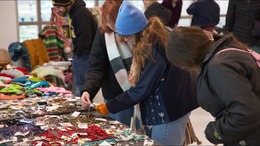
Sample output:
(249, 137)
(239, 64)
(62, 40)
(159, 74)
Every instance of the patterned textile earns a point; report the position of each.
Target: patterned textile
(53, 42)
(120, 57)
(60, 22)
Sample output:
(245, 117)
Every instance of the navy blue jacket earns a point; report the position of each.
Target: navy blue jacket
(205, 13)
(165, 92)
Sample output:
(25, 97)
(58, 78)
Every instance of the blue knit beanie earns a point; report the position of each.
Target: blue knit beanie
(130, 20)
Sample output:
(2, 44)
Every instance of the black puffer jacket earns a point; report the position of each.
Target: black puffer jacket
(85, 26)
(229, 88)
(239, 21)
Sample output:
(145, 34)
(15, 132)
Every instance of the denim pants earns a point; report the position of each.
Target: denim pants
(79, 68)
(172, 133)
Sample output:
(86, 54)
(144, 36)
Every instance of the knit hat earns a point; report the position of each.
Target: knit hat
(158, 10)
(62, 2)
(130, 20)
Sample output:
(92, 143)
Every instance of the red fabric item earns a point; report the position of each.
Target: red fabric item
(6, 75)
(24, 70)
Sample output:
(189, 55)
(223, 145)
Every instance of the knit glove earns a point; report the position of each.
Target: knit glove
(102, 108)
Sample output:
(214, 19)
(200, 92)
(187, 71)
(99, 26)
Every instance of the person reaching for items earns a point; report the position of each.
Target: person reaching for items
(109, 63)
(166, 93)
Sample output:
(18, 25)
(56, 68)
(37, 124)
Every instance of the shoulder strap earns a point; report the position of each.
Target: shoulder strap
(254, 54)
(233, 49)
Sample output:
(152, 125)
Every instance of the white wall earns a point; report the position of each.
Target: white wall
(8, 23)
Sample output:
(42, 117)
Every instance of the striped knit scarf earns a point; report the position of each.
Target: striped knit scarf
(120, 57)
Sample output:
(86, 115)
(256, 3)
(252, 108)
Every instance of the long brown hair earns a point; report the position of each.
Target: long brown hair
(110, 9)
(155, 31)
(188, 46)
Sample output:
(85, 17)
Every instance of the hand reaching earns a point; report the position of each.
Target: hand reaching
(85, 100)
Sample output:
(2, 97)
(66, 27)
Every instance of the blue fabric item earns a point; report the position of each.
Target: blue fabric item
(16, 50)
(130, 20)
(39, 84)
(20, 80)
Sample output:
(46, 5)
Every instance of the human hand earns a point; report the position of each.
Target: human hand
(85, 100)
(102, 108)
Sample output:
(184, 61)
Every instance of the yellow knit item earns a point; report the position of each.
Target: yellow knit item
(37, 52)
(102, 109)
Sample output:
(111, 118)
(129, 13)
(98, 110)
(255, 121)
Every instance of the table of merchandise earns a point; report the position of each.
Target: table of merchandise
(60, 120)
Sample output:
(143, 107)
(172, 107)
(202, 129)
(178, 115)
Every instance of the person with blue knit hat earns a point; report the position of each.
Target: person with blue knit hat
(166, 93)
(127, 24)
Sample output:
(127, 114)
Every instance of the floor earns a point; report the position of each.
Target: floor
(199, 119)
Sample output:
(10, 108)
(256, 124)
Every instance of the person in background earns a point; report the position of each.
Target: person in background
(166, 93)
(175, 6)
(239, 21)
(157, 10)
(205, 14)
(228, 83)
(109, 63)
(83, 26)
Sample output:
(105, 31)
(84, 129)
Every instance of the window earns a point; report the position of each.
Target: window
(32, 16)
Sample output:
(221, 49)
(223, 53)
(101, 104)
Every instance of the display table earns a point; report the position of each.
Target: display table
(45, 121)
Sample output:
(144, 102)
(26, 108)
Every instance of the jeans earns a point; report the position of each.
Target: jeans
(172, 133)
(79, 68)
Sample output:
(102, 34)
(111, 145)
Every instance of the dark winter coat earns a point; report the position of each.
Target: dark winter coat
(239, 21)
(84, 25)
(206, 13)
(229, 89)
(175, 11)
